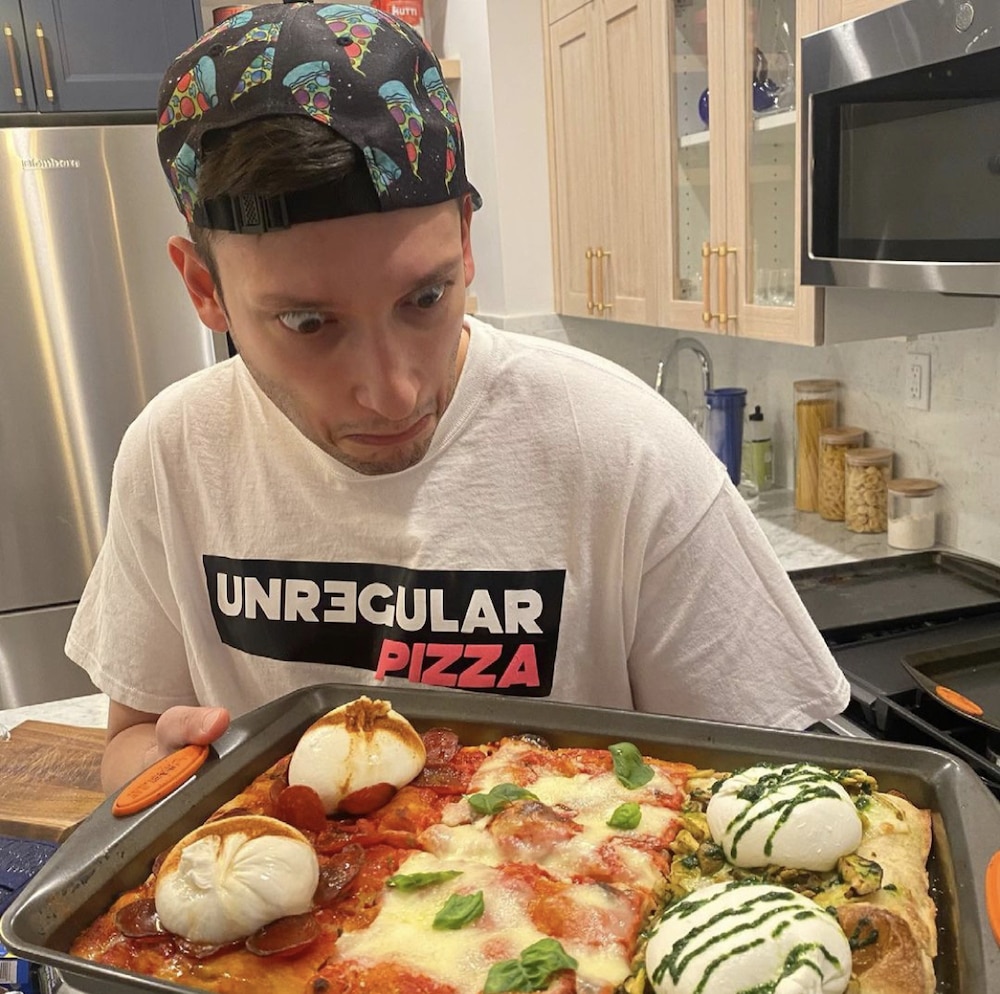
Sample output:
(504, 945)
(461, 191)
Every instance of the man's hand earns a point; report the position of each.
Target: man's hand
(181, 726)
(137, 739)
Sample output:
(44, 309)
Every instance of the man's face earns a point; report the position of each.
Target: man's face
(353, 327)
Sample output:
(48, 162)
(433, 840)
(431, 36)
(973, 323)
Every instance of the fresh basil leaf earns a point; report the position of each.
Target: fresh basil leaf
(507, 975)
(532, 972)
(631, 771)
(414, 881)
(498, 798)
(460, 910)
(627, 815)
(543, 958)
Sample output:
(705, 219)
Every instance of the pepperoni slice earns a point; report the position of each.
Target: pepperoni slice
(441, 745)
(445, 780)
(285, 936)
(139, 919)
(368, 799)
(300, 806)
(336, 873)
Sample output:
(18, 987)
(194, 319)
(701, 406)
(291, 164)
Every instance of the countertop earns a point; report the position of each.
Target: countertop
(801, 541)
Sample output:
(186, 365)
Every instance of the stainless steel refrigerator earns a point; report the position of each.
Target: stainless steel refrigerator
(93, 322)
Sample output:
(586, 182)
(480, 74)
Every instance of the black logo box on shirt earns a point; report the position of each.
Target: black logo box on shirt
(484, 630)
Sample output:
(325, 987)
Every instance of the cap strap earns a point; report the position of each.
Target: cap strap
(253, 213)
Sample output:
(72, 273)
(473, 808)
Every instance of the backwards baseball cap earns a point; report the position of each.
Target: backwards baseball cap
(360, 71)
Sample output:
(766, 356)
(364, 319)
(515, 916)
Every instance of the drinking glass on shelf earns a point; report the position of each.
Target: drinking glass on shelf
(780, 44)
(782, 288)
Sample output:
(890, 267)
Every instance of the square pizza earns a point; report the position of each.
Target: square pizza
(374, 859)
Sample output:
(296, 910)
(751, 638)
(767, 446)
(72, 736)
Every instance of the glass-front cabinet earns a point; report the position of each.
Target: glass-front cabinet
(734, 169)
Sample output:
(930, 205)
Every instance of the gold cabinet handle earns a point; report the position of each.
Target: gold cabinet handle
(40, 35)
(724, 317)
(723, 288)
(706, 283)
(707, 314)
(600, 255)
(8, 34)
(589, 256)
(607, 306)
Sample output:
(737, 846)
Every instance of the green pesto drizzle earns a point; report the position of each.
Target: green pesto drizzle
(680, 956)
(812, 783)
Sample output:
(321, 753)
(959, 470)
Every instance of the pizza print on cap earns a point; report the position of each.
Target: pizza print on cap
(194, 94)
(310, 85)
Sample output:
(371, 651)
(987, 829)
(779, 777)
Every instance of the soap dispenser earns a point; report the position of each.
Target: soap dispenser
(758, 453)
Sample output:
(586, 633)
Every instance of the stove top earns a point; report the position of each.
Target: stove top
(874, 613)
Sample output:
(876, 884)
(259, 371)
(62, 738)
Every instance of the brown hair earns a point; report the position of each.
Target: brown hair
(269, 156)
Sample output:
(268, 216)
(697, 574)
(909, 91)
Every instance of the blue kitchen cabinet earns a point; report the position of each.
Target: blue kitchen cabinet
(91, 55)
(17, 92)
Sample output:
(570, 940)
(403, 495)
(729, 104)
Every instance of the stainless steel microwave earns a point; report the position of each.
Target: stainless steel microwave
(901, 149)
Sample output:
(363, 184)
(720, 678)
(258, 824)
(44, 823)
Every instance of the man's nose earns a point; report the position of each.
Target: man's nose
(387, 383)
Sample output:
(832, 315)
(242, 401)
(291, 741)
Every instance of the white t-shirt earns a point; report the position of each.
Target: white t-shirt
(568, 536)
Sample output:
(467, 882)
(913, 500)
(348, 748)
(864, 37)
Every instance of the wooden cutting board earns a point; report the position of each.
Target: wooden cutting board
(50, 779)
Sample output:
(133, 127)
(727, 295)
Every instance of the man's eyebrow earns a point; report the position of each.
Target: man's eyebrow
(282, 301)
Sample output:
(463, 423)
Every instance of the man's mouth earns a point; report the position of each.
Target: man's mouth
(390, 439)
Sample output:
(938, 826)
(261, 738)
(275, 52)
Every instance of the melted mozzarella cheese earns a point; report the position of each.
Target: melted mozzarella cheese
(589, 800)
(228, 878)
(462, 957)
(739, 937)
(795, 815)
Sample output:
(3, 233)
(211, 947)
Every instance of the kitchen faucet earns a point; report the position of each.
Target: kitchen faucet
(693, 345)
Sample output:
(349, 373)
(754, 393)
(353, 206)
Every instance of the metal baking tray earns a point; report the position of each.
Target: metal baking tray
(971, 669)
(107, 855)
(849, 601)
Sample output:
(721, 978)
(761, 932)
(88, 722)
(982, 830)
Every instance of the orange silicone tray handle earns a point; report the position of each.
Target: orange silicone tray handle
(993, 895)
(957, 700)
(160, 779)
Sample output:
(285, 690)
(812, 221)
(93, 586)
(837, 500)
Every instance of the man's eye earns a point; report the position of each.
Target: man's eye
(429, 297)
(302, 322)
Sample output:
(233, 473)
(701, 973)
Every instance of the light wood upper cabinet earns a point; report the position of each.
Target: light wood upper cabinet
(657, 218)
(734, 185)
(835, 11)
(605, 134)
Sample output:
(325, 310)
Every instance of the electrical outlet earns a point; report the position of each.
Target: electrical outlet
(918, 381)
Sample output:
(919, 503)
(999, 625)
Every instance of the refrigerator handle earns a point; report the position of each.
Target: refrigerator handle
(8, 34)
(44, 53)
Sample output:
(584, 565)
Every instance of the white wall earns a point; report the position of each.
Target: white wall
(501, 100)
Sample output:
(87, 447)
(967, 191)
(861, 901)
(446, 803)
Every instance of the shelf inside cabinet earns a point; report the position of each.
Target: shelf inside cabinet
(451, 69)
(695, 139)
(780, 127)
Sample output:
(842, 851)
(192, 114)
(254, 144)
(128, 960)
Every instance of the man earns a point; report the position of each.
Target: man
(380, 490)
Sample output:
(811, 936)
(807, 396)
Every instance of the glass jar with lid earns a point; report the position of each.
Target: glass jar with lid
(912, 513)
(833, 444)
(866, 480)
(815, 409)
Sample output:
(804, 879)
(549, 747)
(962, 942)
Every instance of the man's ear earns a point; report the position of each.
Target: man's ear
(199, 283)
(468, 263)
